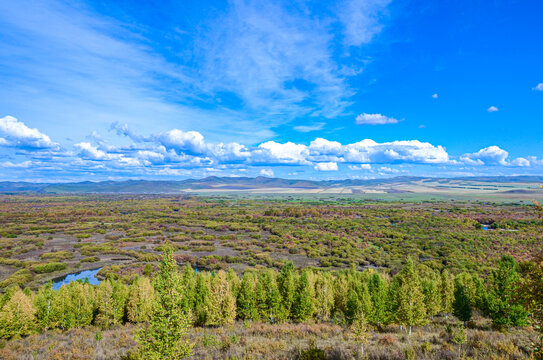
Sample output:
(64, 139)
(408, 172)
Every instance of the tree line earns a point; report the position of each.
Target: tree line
(173, 300)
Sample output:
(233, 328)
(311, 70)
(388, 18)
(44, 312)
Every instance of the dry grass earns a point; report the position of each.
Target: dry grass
(286, 341)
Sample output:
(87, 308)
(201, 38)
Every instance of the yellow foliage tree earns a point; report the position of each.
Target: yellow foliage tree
(17, 317)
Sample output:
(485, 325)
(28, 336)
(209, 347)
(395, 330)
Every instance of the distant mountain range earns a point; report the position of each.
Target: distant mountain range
(265, 184)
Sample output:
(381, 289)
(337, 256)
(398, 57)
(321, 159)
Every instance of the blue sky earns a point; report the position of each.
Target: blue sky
(96, 90)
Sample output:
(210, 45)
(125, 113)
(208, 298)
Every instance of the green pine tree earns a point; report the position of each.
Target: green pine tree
(432, 296)
(461, 305)
(165, 335)
(501, 303)
(411, 311)
(246, 301)
(447, 291)
(379, 295)
(287, 286)
(303, 303)
(44, 304)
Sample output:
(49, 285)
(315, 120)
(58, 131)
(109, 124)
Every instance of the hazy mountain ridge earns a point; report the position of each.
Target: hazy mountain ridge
(247, 183)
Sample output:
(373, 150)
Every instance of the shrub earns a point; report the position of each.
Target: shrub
(20, 277)
(49, 267)
(312, 353)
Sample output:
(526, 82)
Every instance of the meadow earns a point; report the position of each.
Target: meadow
(335, 277)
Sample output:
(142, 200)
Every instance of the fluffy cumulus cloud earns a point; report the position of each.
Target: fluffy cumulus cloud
(180, 153)
(495, 156)
(492, 155)
(190, 148)
(190, 141)
(17, 134)
(374, 119)
(91, 152)
(276, 153)
(538, 87)
(409, 151)
(492, 109)
(521, 162)
(326, 166)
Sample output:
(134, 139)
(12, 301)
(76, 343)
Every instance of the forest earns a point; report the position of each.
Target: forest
(241, 279)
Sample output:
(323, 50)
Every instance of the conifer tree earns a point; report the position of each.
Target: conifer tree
(260, 297)
(201, 296)
(366, 305)
(341, 292)
(164, 337)
(221, 303)
(81, 303)
(287, 286)
(269, 298)
(432, 296)
(246, 300)
(324, 296)
(45, 307)
(379, 295)
(17, 316)
(411, 311)
(189, 284)
(353, 304)
(502, 304)
(359, 327)
(303, 303)
(234, 282)
(141, 296)
(63, 307)
(461, 305)
(447, 291)
(105, 305)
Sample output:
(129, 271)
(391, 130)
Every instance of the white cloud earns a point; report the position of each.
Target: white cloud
(287, 153)
(266, 172)
(91, 152)
(435, 96)
(387, 170)
(360, 167)
(21, 165)
(539, 87)
(522, 162)
(17, 134)
(411, 151)
(492, 155)
(326, 166)
(127, 161)
(151, 156)
(492, 109)
(275, 58)
(321, 146)
(374, 119)
(309, 128)
(190, 141)
(361, 20)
